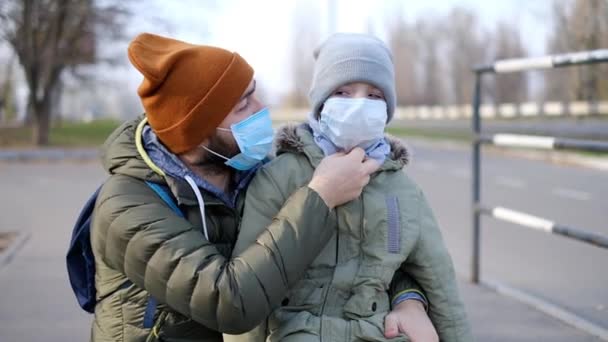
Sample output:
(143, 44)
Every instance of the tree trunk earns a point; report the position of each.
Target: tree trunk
(42, 124)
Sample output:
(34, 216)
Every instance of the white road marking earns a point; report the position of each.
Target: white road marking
(571, 194)
(510, 182)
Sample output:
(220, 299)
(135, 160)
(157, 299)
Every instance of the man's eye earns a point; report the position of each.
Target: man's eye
(375, 96)
(245, 104)
(340, 93)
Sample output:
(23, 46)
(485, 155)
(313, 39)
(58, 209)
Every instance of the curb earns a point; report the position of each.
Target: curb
(547, 308)
(55, 155)
(7, 256)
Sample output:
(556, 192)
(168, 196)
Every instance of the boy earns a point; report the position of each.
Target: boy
(343, 295)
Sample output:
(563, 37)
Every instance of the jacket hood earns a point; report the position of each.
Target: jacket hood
(119, 154)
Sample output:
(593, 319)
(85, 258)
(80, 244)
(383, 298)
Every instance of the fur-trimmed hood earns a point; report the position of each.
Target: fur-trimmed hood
(289, 138)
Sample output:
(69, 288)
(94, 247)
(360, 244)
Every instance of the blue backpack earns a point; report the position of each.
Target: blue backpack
(81, 263)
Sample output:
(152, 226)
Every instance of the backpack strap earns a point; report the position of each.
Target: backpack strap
(152, 302)
(165, 196)
(149, 313)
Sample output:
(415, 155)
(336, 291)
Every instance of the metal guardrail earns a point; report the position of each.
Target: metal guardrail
(526, 141)
(541, 142)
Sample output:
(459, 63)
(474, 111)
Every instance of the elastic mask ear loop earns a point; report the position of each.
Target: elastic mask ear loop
(215, 153)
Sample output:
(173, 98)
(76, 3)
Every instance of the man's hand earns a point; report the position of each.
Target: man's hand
(409, 318)
(340, 178)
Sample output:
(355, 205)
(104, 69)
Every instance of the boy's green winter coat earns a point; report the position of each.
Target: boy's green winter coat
(343, 296)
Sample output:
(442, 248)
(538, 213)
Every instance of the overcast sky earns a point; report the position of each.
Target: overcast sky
(261, 30)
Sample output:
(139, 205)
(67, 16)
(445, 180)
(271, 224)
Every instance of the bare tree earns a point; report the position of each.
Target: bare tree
(511, 87)
(557, 82)
(7, 92)
(429, 34)
(578, 25)
(403, 44)
(466, 47)
(306, 39)
(589, 21)
(50, 36)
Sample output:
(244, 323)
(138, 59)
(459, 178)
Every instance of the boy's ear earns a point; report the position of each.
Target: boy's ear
(318, 112)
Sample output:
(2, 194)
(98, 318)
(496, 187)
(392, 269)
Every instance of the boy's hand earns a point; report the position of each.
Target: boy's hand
(409, 318)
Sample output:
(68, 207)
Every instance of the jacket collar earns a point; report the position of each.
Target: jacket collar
(167, 165)
(299, 139)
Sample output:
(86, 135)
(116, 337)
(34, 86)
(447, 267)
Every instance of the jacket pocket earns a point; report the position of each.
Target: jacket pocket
(372, 329)
(366, 303)
(367, 311)
(304, 296)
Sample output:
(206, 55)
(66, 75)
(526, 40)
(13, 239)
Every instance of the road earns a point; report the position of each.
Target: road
(44, 198)
(569, 273)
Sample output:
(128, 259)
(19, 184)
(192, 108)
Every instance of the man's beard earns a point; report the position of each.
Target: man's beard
(219, 144)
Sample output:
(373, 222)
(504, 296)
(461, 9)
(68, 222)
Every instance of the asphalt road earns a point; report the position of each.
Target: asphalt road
(566, 272)
(44, 199)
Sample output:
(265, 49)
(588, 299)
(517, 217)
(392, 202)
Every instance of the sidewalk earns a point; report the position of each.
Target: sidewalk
(37, 305)
(36, 302)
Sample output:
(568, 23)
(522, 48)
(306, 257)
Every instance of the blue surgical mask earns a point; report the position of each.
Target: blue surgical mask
(349, 123)
(254, 138)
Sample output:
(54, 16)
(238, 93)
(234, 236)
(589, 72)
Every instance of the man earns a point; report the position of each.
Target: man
(170, 277)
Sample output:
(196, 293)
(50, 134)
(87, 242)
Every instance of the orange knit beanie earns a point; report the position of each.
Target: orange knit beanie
(187, 89)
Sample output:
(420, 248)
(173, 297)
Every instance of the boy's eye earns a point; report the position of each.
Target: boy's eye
(376, 96)
(340, 93)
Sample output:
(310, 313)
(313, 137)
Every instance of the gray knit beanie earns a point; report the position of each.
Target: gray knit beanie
(352, 57)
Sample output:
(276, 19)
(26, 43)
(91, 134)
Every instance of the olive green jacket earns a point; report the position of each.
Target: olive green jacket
(344, 295)
(142, 248)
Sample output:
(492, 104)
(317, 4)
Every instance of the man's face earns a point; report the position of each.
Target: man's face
(222, 141)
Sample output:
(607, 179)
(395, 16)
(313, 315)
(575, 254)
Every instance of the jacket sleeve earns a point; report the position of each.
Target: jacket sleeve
(167, 256)
(264, 200)
(431, 265)
(403, 284)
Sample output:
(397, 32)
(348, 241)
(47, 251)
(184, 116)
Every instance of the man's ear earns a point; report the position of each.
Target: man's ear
(205, 142)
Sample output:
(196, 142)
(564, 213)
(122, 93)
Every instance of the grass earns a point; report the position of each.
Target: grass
(93, 134)
(67, 134)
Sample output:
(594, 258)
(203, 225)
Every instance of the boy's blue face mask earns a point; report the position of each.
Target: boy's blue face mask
(254, 138)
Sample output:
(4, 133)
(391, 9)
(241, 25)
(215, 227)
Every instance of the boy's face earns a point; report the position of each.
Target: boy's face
(358, 90)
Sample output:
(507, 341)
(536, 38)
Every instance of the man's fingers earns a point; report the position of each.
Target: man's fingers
(391, 328)
(357, 153)
(370, 166)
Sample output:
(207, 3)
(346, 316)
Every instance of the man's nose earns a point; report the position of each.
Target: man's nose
(257, 105)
